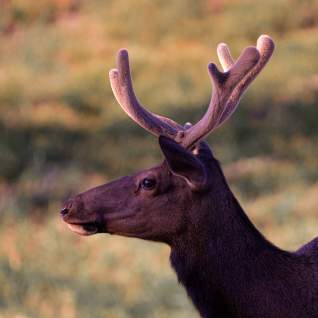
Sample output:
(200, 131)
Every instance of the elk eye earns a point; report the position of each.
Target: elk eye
(148, 184)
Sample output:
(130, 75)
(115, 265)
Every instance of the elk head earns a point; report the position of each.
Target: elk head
(162, 202)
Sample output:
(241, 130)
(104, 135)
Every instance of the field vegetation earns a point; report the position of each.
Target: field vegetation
(62, 132)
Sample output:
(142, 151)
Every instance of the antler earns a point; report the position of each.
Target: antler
(121, 83)
(227, 89)
(229, 86)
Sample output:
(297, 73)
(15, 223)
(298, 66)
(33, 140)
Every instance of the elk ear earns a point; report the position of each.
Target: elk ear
(183, 163)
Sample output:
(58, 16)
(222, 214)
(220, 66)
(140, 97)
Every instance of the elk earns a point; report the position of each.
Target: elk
(227, 266)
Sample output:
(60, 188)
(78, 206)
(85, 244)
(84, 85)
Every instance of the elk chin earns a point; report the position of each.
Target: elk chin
(84, 229)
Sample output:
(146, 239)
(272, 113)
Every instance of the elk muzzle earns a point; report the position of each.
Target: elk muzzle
(72, 214)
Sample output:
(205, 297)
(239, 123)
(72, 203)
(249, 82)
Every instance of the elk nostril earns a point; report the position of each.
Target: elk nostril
(64, 211)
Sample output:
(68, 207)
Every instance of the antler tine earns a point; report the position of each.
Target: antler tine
(121, 83)
(224, 56)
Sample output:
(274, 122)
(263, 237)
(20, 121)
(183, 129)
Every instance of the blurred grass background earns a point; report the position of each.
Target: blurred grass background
(62, 132)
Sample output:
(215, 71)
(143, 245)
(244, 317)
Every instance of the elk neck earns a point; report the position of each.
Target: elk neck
(220, 249)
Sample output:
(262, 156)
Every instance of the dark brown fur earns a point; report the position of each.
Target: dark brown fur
(227, 267)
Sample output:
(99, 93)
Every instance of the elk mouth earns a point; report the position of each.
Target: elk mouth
(88, 228)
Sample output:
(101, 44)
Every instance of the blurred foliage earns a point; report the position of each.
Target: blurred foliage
(62, 132)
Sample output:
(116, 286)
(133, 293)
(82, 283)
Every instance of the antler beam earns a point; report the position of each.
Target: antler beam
(229, 86)
(121, 83)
